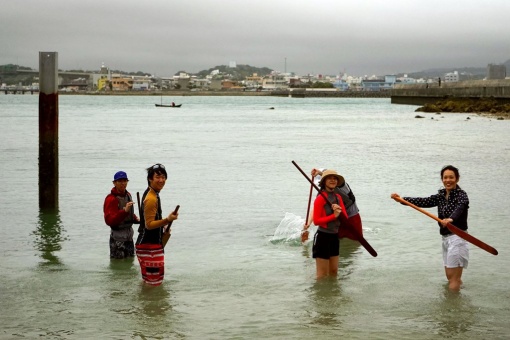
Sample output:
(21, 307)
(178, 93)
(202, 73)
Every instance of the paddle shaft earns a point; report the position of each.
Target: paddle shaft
(138, 200)
(457, 231)
(358, 236)
(166, 234)
(309, 202)
(304, 233)
(174, 212)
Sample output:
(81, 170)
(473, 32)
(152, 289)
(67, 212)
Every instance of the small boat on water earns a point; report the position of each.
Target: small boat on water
(163, 105)
(167, 105)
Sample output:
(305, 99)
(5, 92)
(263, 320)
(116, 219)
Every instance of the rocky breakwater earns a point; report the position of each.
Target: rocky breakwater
(426, 93)
(482, 106)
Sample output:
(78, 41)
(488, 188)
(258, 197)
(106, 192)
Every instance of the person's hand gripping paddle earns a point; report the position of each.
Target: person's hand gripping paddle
(166, 233)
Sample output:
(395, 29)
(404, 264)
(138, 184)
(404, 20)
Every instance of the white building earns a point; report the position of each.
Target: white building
(274, 81)
(141, 84)
(451, 77)
(407, 80)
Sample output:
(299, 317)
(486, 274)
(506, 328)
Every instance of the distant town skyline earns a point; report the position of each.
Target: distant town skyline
(362, 37)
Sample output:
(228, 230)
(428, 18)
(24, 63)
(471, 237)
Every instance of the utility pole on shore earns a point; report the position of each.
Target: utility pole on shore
(48, 130)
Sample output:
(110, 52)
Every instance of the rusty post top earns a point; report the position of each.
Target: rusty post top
(48, 72)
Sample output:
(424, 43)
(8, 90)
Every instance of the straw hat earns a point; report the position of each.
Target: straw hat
(327, 173)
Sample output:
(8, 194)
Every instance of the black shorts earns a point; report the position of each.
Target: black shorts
(325, 245)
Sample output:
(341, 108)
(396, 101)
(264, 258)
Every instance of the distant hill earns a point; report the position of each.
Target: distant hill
(466, 73)
(239, 72)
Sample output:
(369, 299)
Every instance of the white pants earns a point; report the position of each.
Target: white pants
(455, 252)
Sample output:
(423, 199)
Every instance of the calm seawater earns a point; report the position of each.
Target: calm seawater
(234, 267)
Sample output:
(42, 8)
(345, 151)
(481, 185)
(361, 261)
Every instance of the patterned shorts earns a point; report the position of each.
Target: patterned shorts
(121, 249)
(152, 263)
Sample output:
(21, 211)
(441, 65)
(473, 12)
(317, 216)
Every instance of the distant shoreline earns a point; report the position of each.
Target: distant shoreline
(298, 93)
(168, 93)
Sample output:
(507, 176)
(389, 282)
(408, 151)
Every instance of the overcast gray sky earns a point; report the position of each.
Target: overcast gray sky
(359, 37)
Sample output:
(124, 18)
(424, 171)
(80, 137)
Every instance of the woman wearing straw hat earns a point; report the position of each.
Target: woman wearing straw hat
(326, 215)
(354, 219)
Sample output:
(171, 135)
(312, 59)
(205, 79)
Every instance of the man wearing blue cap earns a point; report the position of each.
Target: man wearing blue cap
(119, 215)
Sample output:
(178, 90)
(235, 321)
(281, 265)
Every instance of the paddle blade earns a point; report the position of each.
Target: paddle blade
(166, 237)
(459, 232)
(468, 237)
(304, 236)
(366, 245)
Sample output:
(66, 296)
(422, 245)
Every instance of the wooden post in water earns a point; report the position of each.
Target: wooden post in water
(48, 130)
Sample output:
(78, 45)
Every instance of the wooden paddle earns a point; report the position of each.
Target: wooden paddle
(166, 234)
(138, 200)
(452, 228)
(305, 232)
(359, 237)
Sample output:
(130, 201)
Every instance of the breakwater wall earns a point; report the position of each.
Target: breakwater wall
(19, 91)
(317, 93)
(421, 94)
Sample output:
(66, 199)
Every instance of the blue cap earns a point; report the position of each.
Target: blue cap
(120, 175)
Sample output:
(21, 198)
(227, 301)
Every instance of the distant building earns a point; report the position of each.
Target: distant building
(120, 83)
(378, 84)
(372, 84)
(295, 82)
(253, 82)
(215, 84)
(103, 83)
(102, 79)
(141, 84)
(341, 85)
(228, 84)
(73, 85)
(407, 80)
(183, 82)
(274, 82)
(390, 79)
(200, 83)
(166, 83)
(451, 77)
(496, 71)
